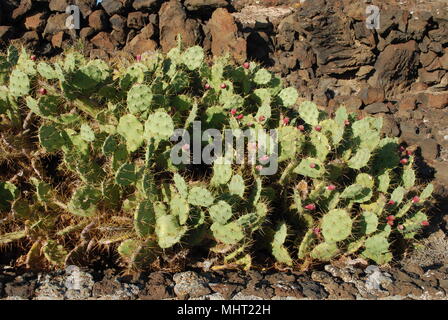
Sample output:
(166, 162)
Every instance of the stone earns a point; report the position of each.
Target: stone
(144, 4)
(137, 20)
(396, 68)
(370, 95)
(24, 7)
(173, 21)
(86, 33)
(430, 78)
(113, 6)
(408, 103)
(31, 38)
(118, 22)
(142, 42)
(190, 284)
(377, 107)
(98, 20)
(119, 36)
(224, 36)
(58, 5)
(6, 32)
(56, 23)
(427, 58)
(35, 22)
(444, 59)
(86, 6)
(430, 149)
(193, 5)
(56, 40)
(304, 55)
(103, 40)
(436, 100)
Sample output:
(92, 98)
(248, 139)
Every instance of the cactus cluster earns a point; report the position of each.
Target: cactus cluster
(341, 187)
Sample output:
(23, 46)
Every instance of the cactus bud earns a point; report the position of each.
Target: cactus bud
(259, 167)
(409, 152)
(415, 199)
(138, 58)
(318, 128)
(391, 217)
(43, 91)
(207, 86)
(391, 202)
(286, 121)
(246, 65)
(186, 147)
(301, 128)
(223, 86)
(312, 165)
(261, 118)
(400, 227)
(33, 58)
(316, 231)
(404, 161)
(233, 112)
(347, 122)
(425, 223)
(240, 116)
(264, 158)
(310, 206)
(331, 187)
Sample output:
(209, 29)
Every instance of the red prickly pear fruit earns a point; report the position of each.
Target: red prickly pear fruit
(425, 223)
(223, 86)
(331, 187)
(318, 128)
(391, 218)
(391, 202)
(312, 165)
(316, 231)
(261, 118)
(409, 152)
(33, 58)
(43, 91)
(390, 222)
(415, 199)
(301, 128)
(286, 121)
(400, 227)
(347, 122)
(138, 57)
(310, 206)
(233, 112)
(404, 161)
(207, 86)
(240, 116)
(246, 65)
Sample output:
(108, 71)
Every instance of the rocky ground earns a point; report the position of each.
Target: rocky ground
(423, 276)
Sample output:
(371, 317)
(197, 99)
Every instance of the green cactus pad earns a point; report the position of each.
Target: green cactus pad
(427, 192)
(8, 193)
(384, 182)
(222, 172)
(84, 201)
(180, 208)
(127, 249)
(144, 219)
(355, 245)
(356, 192)
(126, 175)
(369, 222)
(325, 251)
(132, 130)
(377, 249)
(262, 77)
(336, 225)
(309, 113)
(288, 96)
(139, 98)
(305, 169)
(87, 133)
(306, 244)
(47, 71)
(19, 83)
(201, 197)
(408, 178)
(193, 57)
(54, 253)
(220, 212)
(181, 185)
(51, 137)
(159, 126)
(236, 185)
(398, 195)
(321, 145)
(168, 231)
(230, 233)
(360, 159)
(278, 250)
